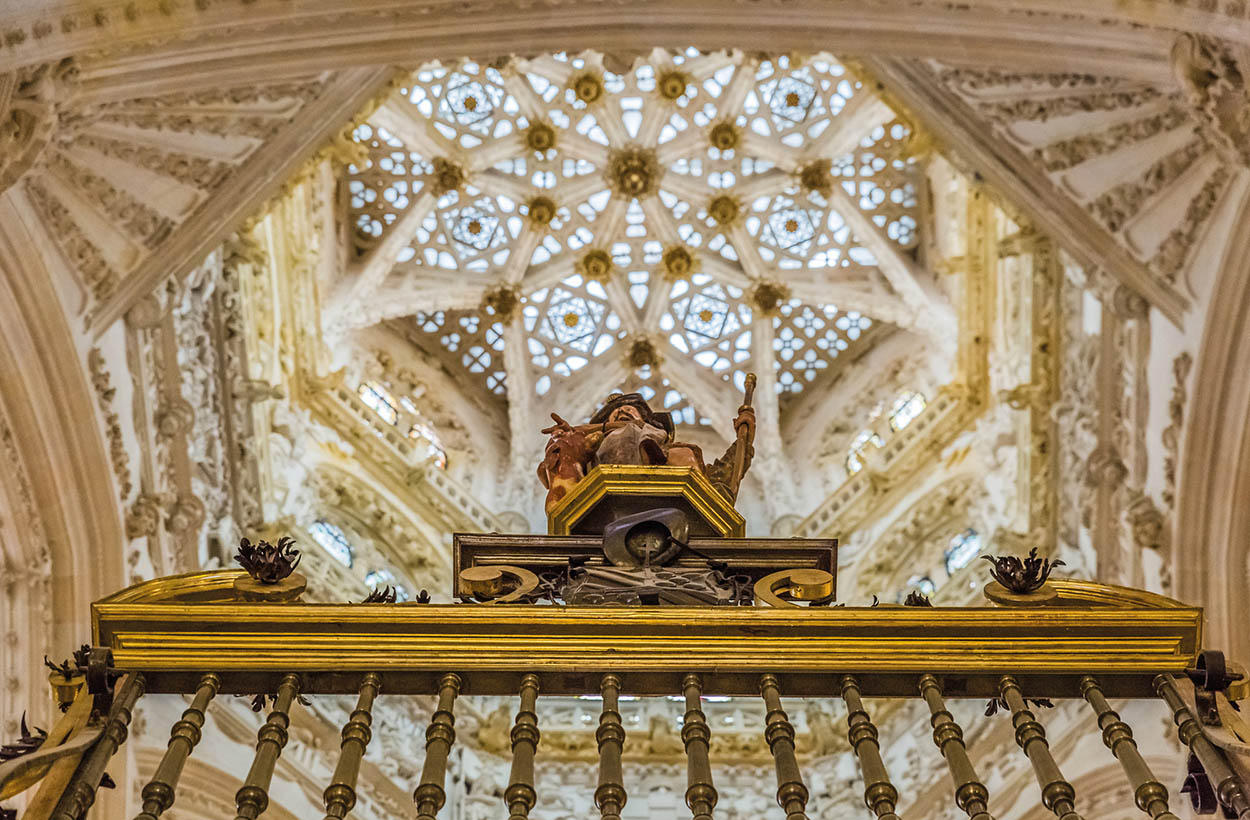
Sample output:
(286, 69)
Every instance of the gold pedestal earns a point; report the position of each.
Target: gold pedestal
(610, 491)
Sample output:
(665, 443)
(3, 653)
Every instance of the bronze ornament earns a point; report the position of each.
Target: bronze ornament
(266, 563)
(1022, 576)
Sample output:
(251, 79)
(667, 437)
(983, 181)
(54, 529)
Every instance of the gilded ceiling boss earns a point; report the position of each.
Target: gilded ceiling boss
(625, 430)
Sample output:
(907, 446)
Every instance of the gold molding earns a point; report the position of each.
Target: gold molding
(1135, 637)
(630, 480)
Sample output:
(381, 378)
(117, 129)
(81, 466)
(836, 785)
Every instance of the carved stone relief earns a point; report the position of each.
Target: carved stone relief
(112, 424)
(1181, 366)
(26, 588)
(84, 255)
(1068, 153)
(1116, 206)
(1214, 75)
(30, 100)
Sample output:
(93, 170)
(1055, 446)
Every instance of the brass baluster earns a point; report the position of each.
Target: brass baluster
(253, 798)
(1057, 793)
(158, 794)
(439, 736)
(879, 793)
(1149, 794)
(700, 793)
(520, 796)
(779, 733)
(79, 794)
(610, 794)
(340, 795)
(971, 795)
(1227, 786)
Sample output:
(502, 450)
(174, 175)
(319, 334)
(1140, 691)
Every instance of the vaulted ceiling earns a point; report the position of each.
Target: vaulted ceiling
(1071, 112)
(487, 210)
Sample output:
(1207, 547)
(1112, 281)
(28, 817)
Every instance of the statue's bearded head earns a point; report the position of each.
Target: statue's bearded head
(625, 413)
(632, 407)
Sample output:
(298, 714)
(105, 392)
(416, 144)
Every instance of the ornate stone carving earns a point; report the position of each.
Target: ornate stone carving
(26, 591)
(186, 515)
(386, 523)
(112, 424)
(1214, 75)
(1170, 259)
(140, 222)
(1181, 366)
(916, 536)
(197, 172)
(87, 259)
(1045, 108)
(1068, 153)
(1147, 523)
(979, 79)
(174, 418)
(245, 111)
(144, 516)
(1105, 467)
(29, 103)
(1117, 205)
(633, 172)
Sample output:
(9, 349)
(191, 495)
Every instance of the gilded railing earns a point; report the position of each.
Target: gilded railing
(224, 632)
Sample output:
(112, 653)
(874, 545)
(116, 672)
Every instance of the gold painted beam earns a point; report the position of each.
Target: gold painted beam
(888, 647)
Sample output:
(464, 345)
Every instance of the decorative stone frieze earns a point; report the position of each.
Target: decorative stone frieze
(105, 392)
(1181, 366)
(1215, 75)
(30, 102)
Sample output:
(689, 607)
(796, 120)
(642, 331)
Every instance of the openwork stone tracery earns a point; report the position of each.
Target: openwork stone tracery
(666, 192)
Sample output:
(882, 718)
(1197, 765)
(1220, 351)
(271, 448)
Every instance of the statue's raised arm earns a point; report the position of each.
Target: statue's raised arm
(727, 471)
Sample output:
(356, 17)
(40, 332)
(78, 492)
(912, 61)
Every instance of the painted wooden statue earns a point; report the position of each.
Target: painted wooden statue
(625, 430)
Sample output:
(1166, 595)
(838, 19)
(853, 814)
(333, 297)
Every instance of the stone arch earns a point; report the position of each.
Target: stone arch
(1212, 539)
(63, 544)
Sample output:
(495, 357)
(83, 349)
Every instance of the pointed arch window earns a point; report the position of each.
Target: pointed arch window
(919, 583)
(423, 433)
(962, 549)
(333, 540)
(380, 400)
(385, 578)
(859, 446)
(905, 409)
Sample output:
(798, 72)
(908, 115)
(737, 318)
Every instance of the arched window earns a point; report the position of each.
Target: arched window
(423, 433)
(905, 409)
(380, 400)
(332, 540)
(961, 550)
(922, 584)
(385, 578)
(855, 458)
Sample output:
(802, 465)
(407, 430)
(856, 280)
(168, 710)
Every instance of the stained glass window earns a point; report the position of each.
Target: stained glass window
(424, 433)
(905, 409)
(963, 548)
(860, 444)
(380, 401)
(920, 583)
(385, 578)
(333, 540)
